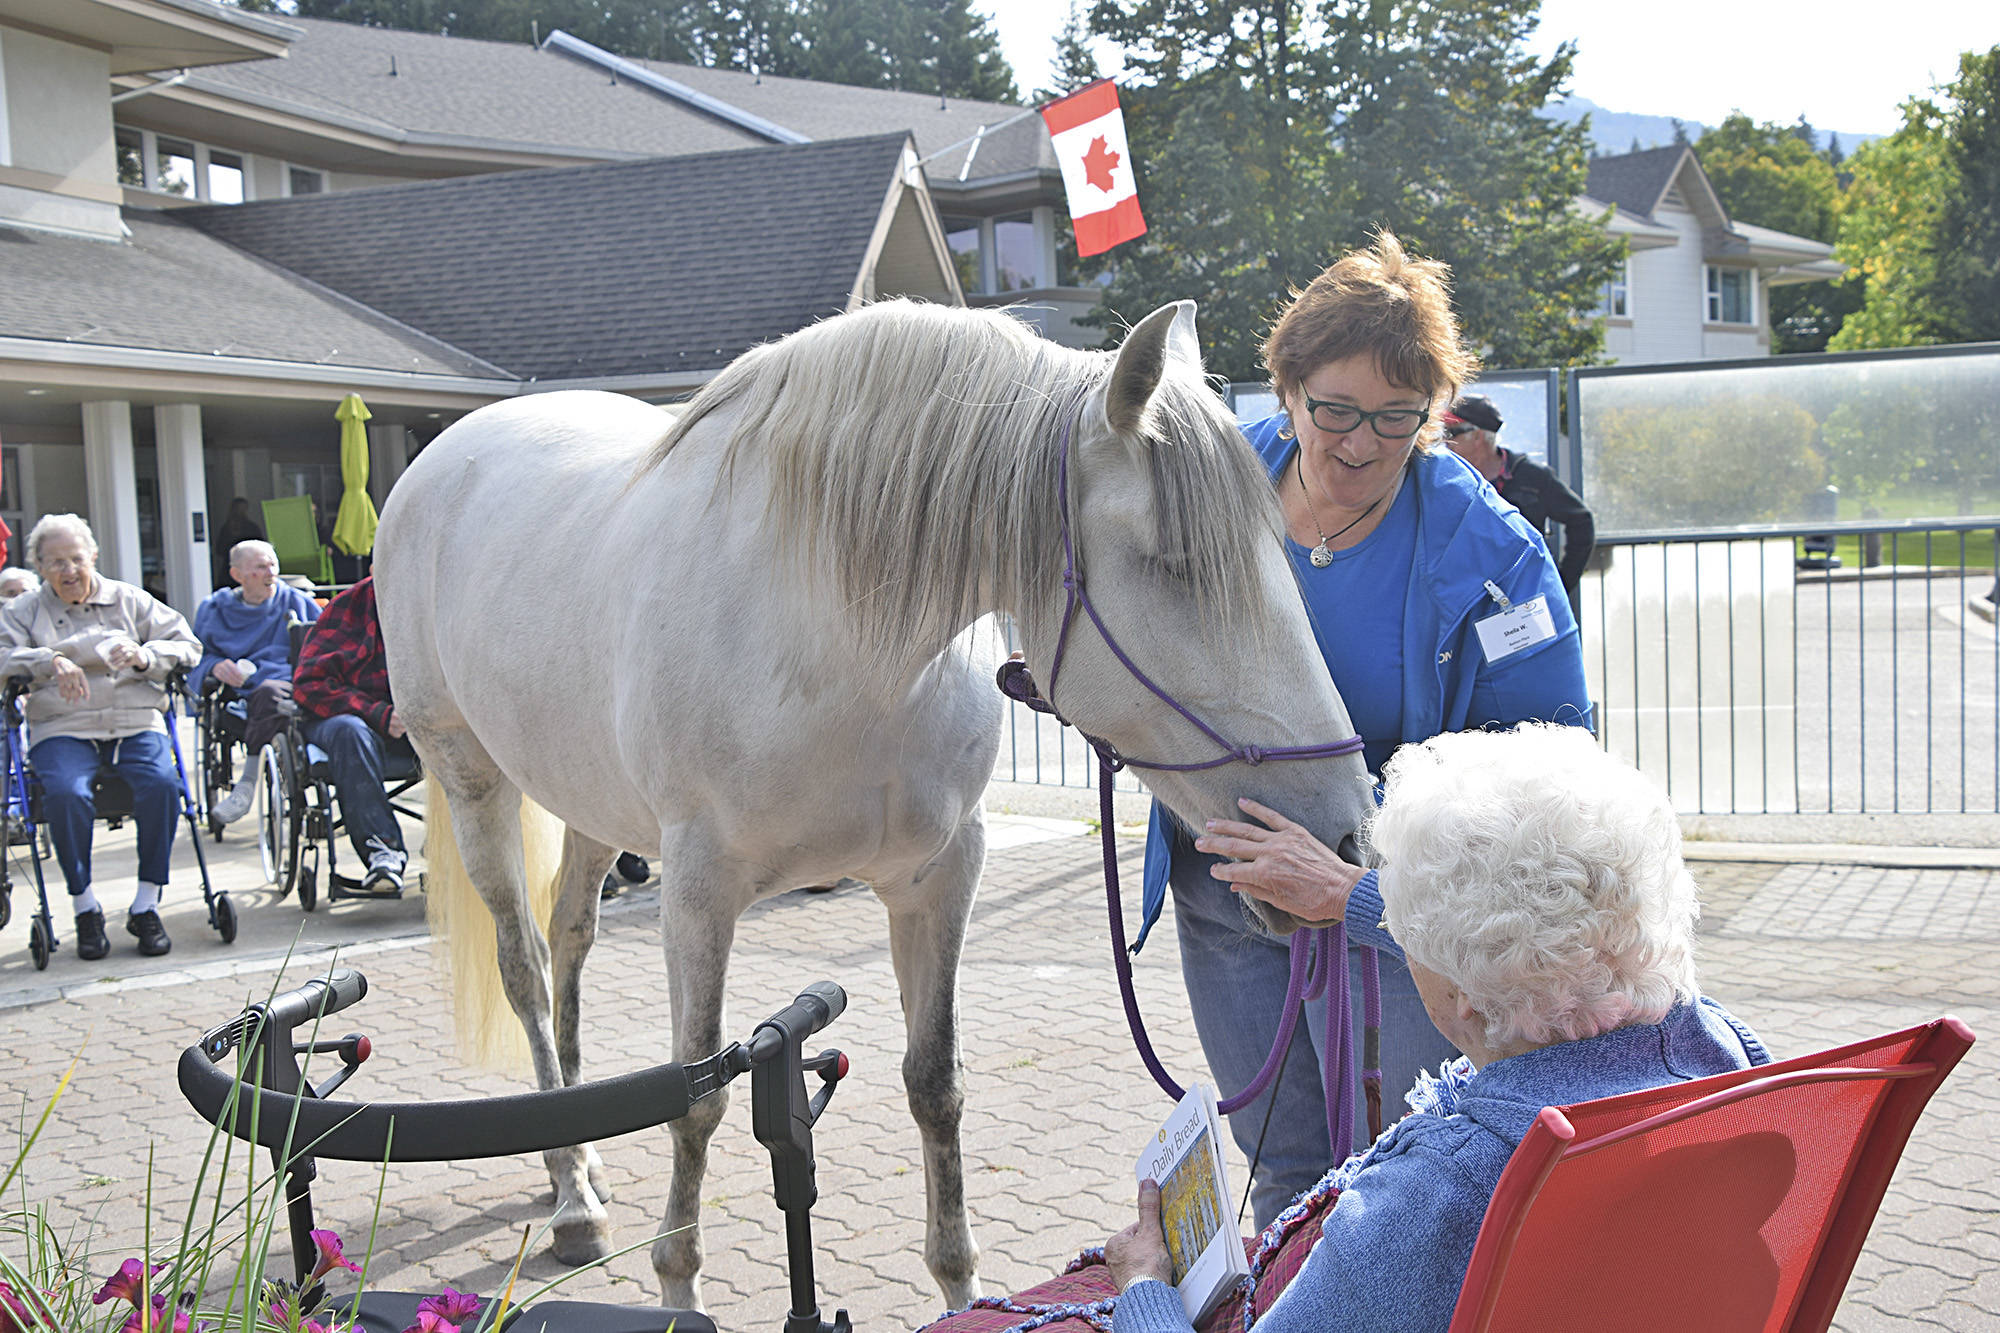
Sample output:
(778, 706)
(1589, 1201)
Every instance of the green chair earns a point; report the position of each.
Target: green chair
(289, 527)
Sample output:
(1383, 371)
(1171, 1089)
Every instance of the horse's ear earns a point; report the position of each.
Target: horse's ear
(1166, 334)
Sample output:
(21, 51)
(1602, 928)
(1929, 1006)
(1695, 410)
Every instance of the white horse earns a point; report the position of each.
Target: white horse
(731, 636)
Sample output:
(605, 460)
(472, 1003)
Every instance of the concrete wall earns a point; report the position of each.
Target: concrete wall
(1666, 295)
(58, 107)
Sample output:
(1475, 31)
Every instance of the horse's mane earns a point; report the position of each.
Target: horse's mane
(892, 431)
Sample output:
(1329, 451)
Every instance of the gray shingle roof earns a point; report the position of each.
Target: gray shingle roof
(172, 288)
(1634, 181)
(458, 89)
(629, 268)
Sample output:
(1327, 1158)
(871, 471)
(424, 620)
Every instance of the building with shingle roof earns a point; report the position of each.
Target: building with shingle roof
(483, 220)
(1696, 283)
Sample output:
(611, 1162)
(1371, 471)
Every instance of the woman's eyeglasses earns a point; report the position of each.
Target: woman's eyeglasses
(1391, 423)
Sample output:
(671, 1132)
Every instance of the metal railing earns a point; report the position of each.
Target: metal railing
(1747, 685)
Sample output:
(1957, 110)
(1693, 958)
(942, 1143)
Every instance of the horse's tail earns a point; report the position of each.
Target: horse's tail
(489, 1034)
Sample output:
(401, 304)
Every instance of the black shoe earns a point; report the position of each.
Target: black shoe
(91, 941)
(632, 868)
(611, 888)
(152, 935)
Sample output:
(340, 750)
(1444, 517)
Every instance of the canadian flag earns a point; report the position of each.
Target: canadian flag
(1089, 135)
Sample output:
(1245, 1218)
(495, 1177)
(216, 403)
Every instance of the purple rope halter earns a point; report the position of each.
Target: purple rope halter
(1319, 957)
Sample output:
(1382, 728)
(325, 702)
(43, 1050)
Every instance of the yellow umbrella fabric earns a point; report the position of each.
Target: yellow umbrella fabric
(354, 526)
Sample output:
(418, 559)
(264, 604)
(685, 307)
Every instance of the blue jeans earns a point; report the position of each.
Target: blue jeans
(354, 749)
(1237, 974)
(66, 764)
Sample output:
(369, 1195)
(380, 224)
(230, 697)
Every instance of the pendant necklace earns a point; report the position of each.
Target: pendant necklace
(1322, 555)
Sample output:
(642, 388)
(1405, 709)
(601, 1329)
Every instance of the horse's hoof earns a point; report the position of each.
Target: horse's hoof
(678, 1295)
(959, 1295)
(581, 1242)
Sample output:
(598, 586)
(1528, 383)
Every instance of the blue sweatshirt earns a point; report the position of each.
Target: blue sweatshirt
(230, 627)
(1396, 1245)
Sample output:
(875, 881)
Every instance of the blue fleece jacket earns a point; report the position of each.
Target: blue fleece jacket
(230, 628)
(1467, 536)
(1395, 1247)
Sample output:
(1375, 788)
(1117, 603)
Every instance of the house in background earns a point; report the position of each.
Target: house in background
(1696, 283)
(159, 356)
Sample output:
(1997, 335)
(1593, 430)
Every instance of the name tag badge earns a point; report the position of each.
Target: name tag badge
(1520, 626)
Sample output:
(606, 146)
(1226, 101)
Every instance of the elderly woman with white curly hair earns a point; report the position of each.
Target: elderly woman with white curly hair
(1534, 885)
(98, 652)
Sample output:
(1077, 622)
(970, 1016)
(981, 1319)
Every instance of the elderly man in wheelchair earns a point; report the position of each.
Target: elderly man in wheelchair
(99, 653)
(341, 688)
(245, 664)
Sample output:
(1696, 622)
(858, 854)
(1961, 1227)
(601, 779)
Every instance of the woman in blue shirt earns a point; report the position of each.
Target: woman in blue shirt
(1437, 608)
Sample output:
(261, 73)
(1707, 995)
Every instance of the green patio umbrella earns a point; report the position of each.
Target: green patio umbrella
(354, 526)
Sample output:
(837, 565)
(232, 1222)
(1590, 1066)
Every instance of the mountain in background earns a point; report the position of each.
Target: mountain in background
(1615, 131)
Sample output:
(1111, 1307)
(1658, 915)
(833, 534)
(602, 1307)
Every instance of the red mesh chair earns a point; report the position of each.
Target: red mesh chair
(1737, 1202)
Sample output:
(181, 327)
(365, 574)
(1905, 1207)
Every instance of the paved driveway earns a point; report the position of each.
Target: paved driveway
(1811, 954)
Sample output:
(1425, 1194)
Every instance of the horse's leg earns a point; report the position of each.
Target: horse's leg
(700, 898)
(486, 822)
(572, 930)
(927, 920)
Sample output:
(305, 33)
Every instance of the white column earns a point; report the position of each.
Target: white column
(183, 502)
(388, 455)
(112, 487)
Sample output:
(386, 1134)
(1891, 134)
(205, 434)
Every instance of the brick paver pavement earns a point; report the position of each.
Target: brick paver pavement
(1056, 1100)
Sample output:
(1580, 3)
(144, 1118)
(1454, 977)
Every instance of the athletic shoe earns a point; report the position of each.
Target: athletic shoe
(152, 935)
(385, 865)
(235, 804)
(632, 868)
(91, 941)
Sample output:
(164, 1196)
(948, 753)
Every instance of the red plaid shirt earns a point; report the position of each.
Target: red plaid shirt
(342, 668)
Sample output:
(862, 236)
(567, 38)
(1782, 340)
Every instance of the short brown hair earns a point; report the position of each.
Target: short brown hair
(1378, 301)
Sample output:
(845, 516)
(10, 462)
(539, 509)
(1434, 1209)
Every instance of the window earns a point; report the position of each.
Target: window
(1615, 301)
(962, 236)
(304, 180)
(225, 177)
(131, 158)
(1731, 296)
(175, 172)
(1016, 253)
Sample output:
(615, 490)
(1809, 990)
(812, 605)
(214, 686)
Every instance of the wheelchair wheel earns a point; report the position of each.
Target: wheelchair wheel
(279, 817)
(225, 918)
(39, 944)
(6, 907)
(309, 887)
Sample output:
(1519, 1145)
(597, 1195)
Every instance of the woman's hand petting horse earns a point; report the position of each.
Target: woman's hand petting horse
(1279, 862)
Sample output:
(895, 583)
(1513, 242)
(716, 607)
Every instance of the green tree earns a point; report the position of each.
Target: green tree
(1965, 292)
(1770, 176)
(1074, 65)
(1888, 231)
(1271, 136)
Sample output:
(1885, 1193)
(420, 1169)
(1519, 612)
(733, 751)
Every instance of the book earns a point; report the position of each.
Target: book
(1185, 1158)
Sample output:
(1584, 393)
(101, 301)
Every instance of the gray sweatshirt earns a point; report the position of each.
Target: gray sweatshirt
(40, 626)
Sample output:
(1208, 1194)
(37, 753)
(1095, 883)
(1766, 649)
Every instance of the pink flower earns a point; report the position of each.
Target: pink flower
(430, 1321)
(456, 1306)
(125, 1283)
(18, 1311)
(330, 1256)
(181, 1323)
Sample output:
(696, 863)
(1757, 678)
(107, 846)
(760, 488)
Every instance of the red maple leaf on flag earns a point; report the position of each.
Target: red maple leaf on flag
(1099, 163)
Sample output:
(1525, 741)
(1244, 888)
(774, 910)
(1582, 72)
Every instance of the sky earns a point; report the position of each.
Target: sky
(1846, 64)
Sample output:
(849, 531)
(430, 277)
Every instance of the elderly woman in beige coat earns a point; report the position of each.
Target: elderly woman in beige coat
(98, 653)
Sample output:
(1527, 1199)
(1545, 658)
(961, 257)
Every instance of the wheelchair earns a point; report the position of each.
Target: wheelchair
(245, 1078)
(297, 809)
(220, 720)
(113, 799)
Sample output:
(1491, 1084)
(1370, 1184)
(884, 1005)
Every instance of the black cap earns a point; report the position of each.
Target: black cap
(1477, 410)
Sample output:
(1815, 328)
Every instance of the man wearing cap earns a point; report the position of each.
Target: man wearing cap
(1472, 428)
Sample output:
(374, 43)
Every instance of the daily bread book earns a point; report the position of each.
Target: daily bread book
(1185, 1157)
